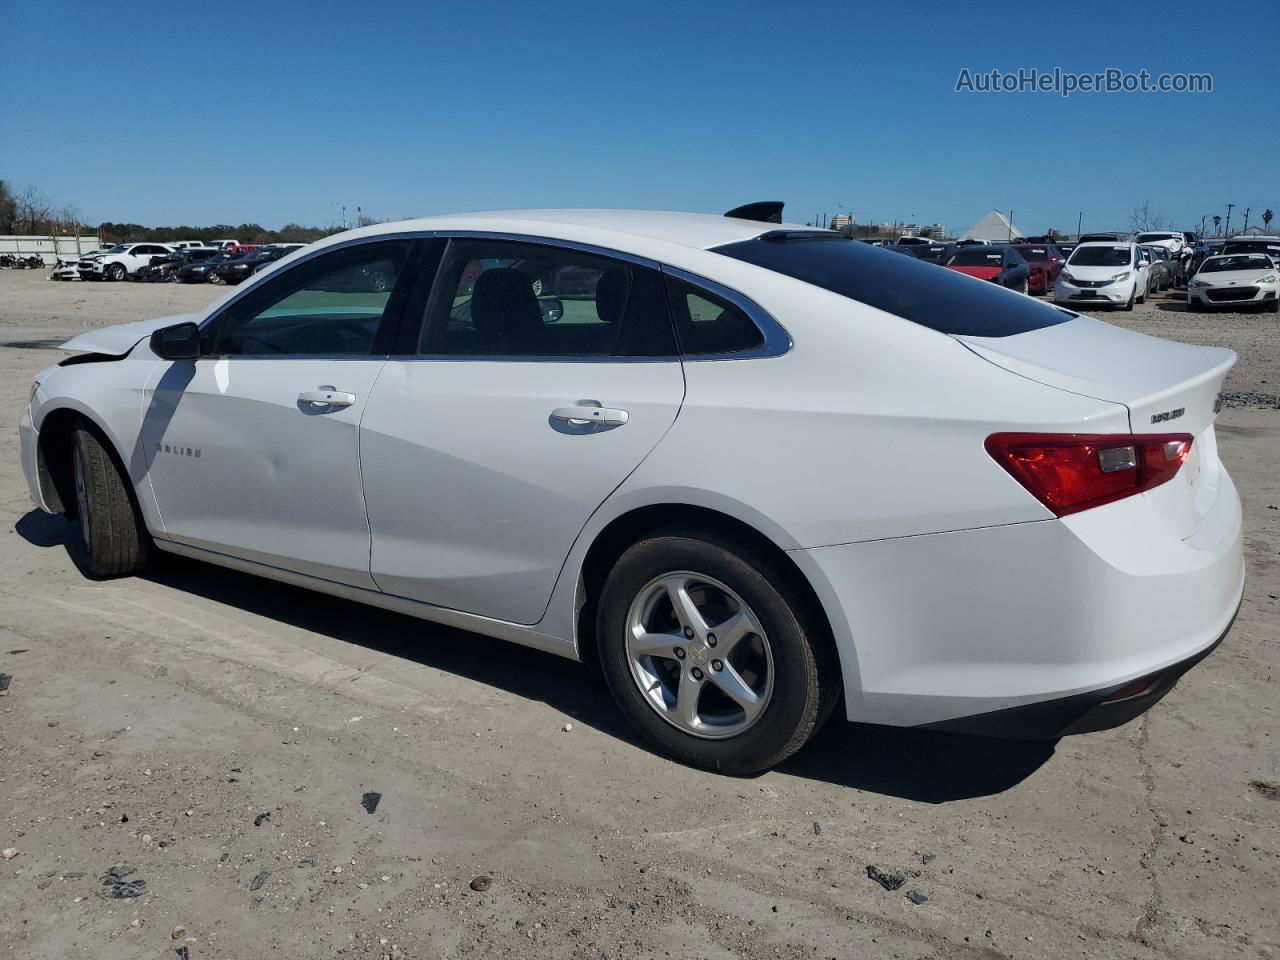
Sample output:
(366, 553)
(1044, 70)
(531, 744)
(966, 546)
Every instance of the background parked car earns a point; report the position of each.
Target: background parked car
(122, 260)
(1103, 274)
(237, 269)
(70, 269)
(199, 270)
(1270, 246)
(1163, 269)
(999, 264)
(1236, 280)
(1044, 260)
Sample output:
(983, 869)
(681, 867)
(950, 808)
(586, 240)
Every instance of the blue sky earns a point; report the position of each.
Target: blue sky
(281, 111)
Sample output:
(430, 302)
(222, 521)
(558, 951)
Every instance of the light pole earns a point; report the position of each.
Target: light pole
(1228, 227)
(1079, 223)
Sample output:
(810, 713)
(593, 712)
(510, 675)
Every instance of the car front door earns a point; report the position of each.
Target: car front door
(543, 377)
(253, 450)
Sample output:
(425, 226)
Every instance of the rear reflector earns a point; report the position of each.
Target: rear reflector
(1073, 472)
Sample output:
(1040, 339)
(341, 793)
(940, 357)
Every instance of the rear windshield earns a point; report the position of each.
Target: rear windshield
(978, 257)
(1034, 253)
(912, 289)
(1100, 257)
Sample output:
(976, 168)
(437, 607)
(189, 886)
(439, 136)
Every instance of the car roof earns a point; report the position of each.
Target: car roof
(1105, 243)
(697, 230)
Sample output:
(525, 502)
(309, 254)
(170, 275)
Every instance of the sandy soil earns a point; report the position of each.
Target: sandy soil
(217, 733)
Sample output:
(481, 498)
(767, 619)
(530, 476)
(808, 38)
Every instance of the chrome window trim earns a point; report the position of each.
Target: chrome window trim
(776, 340)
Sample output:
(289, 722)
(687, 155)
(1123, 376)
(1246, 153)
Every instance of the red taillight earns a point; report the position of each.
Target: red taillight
(1073, 472)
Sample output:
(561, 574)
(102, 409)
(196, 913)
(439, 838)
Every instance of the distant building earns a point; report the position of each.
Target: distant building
(995, 227)
(842, 221)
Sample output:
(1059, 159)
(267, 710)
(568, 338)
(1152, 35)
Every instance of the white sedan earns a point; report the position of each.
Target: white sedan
(755, 470)
(1236, 280)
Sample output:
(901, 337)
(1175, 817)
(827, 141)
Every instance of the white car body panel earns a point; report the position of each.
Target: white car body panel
(239, 464)
(445, 491)
(475, 500)
(1266, 282)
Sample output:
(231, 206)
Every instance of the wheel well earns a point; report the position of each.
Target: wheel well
(55, 461)
(632, 527)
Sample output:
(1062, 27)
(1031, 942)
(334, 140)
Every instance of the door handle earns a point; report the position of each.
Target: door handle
(327, 397)
(585, 413)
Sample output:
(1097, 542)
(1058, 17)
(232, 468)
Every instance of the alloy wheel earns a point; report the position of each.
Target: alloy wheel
(699, 655)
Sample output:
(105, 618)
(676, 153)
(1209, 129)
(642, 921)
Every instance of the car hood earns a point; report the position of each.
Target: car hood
(1241, 278)
(118, 340)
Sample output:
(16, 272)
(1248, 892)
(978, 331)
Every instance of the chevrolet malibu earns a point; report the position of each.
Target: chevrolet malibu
(757, 473)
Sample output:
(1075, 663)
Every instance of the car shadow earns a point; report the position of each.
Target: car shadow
(1176, 306)
(921, 765)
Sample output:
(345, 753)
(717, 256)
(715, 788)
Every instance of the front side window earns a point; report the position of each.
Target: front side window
(332, 304)
(502, 298)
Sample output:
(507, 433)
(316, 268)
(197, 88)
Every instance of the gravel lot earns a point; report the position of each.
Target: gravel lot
(217, 733)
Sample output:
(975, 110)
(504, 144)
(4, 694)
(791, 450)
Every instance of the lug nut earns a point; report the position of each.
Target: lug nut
(717, 666)
(711, 639)
(697, 674)
(679, 653)
(688, 632)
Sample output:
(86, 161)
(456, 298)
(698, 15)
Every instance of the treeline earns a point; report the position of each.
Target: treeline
(30, 213)
(244, 233)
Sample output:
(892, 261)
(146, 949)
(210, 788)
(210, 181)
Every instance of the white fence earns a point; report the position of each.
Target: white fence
(49, 249)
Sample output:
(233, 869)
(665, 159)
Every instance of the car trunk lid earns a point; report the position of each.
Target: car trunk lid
(1167, 387)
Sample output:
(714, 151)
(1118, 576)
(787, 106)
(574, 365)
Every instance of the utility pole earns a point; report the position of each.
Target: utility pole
(1011, 226)
(1079, 223)
(1246, 220)
(1228, 227)
(1202, 220)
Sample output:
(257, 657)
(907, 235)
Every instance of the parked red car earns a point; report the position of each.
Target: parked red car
(1045, 261)
(999, 264)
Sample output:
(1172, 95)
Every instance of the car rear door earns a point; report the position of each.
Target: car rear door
(543, 376)
(253, 449)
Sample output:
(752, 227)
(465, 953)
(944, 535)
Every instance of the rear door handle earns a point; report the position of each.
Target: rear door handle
(327, 397)
(609, 416)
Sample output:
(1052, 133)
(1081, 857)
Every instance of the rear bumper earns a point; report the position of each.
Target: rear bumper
(1082, 712)
(1041, 621)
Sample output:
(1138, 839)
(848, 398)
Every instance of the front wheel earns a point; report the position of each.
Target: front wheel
(710, 656)
(117, 271)
(114, 538)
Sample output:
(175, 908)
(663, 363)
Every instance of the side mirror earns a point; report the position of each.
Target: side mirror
(178, 342)
(552, 310)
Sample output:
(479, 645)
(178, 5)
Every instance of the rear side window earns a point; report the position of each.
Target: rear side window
(708, 324)
(941, 300)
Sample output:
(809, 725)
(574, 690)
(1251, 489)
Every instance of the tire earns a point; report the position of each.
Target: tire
(781, 654)
(114, 538)
(1273, 306)
(1132, 297)
(1194, 305)
(117, 271)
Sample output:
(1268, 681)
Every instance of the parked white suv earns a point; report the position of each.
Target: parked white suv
(118, 262)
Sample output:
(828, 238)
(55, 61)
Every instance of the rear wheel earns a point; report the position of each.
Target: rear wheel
(114, 538)
(710, 657)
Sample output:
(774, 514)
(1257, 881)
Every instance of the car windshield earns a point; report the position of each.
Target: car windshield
(941, 300)
(1100, 257)
(977, 257)
(1270, 247)
(1253, 261)
(1034, 253)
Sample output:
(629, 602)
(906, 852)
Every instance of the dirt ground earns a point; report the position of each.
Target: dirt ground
(216, 734)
